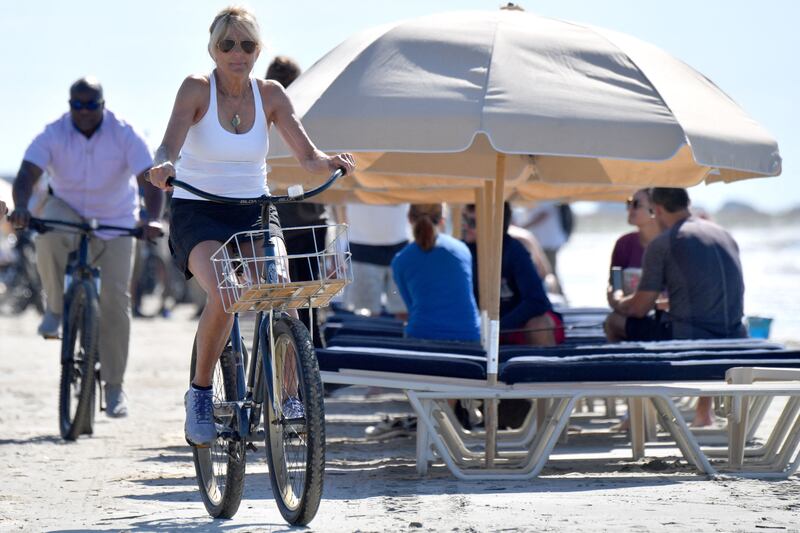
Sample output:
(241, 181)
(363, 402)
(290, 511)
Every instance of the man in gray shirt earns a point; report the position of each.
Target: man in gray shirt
(697, 263)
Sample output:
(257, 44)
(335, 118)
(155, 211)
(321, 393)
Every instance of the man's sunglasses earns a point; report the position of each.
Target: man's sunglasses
(468, 221)
(226, 45)
(91, 105)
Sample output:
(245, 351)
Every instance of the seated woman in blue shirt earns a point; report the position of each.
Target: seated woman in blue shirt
(434, 277)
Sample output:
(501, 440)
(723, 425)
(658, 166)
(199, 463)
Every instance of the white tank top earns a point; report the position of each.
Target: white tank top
(224, 163)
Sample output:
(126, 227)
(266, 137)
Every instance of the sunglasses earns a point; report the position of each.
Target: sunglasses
(633, 203)
(226, 45)
(91, 105)
(468, 221)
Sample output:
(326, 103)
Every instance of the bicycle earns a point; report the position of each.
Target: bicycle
(20, 286)
(155, 288)
(283, 366)
(80, 366)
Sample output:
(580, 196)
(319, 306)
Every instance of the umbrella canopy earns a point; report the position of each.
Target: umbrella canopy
(594, 106)
(489, 104)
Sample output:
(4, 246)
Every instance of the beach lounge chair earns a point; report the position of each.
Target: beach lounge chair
(431, 373)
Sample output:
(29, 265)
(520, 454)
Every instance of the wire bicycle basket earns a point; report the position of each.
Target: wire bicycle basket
(241, 270)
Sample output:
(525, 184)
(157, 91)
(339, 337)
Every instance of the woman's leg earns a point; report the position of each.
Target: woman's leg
(215, 324)
(540, 331)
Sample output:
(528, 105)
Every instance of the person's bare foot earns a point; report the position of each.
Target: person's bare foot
(704, 415)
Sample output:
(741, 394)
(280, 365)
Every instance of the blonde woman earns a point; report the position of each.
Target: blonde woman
(219, 129)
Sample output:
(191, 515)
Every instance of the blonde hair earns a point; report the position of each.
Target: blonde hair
(236, 17)
(424, 218)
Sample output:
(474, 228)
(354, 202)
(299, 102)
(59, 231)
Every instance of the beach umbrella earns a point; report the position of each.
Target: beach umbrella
(491, 104)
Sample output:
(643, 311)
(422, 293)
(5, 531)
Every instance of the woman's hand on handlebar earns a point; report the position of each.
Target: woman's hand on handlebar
(158, 175)
(344, 161)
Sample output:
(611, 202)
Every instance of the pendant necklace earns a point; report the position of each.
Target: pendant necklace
(236, 120)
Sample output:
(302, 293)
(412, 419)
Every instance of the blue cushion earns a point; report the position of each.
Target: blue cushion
(691, 365)
(406, 361)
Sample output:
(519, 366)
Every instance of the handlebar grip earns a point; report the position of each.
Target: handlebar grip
(170, 180)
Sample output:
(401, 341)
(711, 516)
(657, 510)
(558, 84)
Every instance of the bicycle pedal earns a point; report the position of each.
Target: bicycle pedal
(252, 447)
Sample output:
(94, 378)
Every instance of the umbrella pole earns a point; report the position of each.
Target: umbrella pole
(482, 244)
(495, 254)
(455, 219)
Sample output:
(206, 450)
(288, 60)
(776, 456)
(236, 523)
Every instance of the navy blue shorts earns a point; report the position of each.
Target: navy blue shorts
(649, 328)
(194, 221)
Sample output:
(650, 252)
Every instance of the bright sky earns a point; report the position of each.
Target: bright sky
(142, 49)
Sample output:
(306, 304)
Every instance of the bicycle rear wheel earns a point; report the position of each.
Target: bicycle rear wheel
(295, 446)
(220, 467)
(78, 355)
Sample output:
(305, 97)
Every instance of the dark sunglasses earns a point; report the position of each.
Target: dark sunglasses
(468, 221)
(226, 45)
(91, 105)
(633, 203)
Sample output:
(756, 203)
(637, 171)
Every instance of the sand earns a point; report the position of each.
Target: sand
(136, 474)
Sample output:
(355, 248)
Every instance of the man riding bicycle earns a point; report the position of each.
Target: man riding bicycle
(96, 164)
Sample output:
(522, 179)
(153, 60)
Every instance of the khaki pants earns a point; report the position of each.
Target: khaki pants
(114, 257)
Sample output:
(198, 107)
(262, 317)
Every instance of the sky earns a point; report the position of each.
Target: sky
(141, 50)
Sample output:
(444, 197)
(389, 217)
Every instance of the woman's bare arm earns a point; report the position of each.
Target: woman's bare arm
(190, 104)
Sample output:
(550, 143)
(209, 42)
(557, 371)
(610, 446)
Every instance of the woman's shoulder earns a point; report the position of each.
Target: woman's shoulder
(448, 242)
(628, 237)
(195, 85)
(269, 88)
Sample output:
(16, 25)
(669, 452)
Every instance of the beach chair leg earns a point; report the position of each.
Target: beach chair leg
(650, 420)
(541, 411)
(611, 407)
(637, 424)
(423, 440)
(676, 425)
(737, 434)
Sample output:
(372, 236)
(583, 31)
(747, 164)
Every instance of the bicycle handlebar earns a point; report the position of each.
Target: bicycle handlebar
(264, 198)
(42, 225)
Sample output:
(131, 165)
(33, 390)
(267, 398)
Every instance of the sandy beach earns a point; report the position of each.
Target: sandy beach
(136, 474)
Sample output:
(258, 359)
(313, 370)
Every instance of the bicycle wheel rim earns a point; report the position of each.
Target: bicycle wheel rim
(287, 440)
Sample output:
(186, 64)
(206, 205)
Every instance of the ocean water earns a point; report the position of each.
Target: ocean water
(770, 261)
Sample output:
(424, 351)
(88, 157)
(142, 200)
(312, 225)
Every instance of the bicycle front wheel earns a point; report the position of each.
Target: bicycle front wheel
(78, 356)
(295, 422)
(220, 467)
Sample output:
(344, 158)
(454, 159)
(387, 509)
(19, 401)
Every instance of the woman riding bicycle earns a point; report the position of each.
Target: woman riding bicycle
(219, 128)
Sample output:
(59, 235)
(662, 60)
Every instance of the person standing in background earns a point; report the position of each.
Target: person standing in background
(544, 220)
(377, 233)
(295, 214)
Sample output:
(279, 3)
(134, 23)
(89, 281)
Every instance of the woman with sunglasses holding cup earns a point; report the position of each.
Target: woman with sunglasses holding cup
(218, 134)
(629, 249)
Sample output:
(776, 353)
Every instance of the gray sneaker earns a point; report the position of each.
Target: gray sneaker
(116, 401)
(199, 428)
(50, 327)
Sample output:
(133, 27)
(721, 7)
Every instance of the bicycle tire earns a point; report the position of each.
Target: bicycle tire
(78, 356)
(152, 295)
(220, 468)
(296, 450)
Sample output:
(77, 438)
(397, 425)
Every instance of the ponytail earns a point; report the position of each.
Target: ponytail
(424, 219)
(424, 233)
